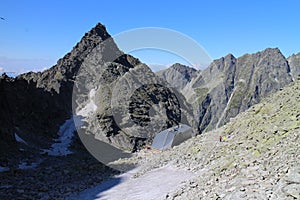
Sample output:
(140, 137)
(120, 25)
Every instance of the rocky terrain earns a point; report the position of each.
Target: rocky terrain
(258, 160)
(178, 75)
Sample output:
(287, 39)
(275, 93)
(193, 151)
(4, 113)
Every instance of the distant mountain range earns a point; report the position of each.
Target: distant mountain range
(231, 85)
(35, 105)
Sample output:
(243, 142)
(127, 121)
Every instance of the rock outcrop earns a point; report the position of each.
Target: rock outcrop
(294, 62)
(230, 86)
(178, 75)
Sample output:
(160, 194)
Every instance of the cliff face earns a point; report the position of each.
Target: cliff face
(230, 86)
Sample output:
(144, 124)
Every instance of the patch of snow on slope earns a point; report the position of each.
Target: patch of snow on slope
(153, 185)
(90, 106)
(19, 139)
(66, 133)
(25, 165)
(4, 169)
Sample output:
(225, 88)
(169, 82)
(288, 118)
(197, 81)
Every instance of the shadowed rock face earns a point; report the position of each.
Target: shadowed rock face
(34, 105)
(230, 86)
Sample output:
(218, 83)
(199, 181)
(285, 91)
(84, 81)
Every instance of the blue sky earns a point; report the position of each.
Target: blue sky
(37, 33)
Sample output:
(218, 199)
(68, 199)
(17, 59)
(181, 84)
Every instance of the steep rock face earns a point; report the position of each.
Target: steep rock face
(178, 75)
(294, 62)
(230, 86)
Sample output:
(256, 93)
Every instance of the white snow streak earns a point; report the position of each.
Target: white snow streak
(153, 185)
(4, 169)
(90, 106)
(19, 139)
(66, 133)
(25, 165)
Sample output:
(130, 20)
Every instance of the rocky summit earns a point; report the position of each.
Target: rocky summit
(35, 105)
(178, 75)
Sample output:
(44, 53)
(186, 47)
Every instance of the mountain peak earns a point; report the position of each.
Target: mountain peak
(98, 31)
(272, 51)
(229, 56)
(178, 75)
(181, 67)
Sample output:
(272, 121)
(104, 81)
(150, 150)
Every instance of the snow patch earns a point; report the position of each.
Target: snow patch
(293, 78)
(153, 185)
(6, 186)
(60, 147)
(25, 165)
(90, 106)
(4, 169)
(19, 139)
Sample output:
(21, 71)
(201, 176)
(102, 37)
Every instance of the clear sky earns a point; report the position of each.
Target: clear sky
(35, 34)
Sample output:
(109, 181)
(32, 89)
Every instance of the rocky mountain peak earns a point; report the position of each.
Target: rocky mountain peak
(181, 67)
(38, 103)
(89, 41)
(178, 75)
(99, 30)
(229, 57)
